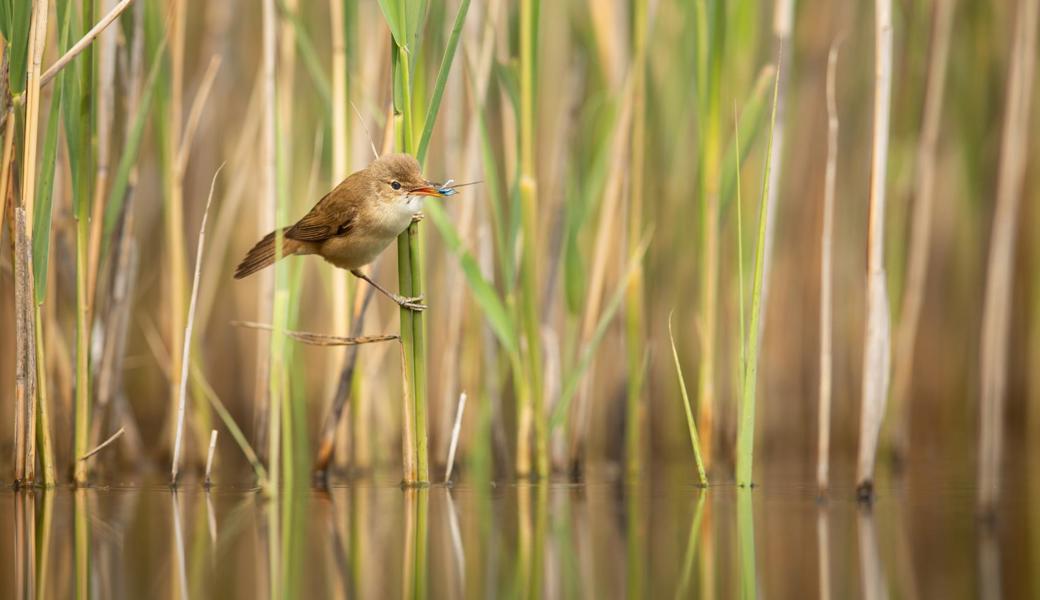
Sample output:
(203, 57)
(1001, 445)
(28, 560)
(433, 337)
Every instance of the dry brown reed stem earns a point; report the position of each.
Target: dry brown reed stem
(826, 278)
(606, 234)
(783, 23)
(268, 204)
(921, 228)
(228, 217)
(996, 316)
(209, 455)
(84, 42)
(25, 388)
(195, 113)
(182, 400)
(112, 438)
(455, 430)
(338, 172)
(5, 162)
(123, 275)
(877, 341)
(25, 361)
(104, 103)
(823, 551)
(320, 339)
(176, 268)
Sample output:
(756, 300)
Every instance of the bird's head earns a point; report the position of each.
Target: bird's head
(397, 179)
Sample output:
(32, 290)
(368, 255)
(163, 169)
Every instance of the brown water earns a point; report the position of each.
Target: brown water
(660, 539)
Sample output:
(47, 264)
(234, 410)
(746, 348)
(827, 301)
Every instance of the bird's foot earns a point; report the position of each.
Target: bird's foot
(415, 303)
(418, 217)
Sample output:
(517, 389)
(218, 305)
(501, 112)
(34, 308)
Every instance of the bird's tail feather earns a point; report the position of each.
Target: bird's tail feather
(262, 255)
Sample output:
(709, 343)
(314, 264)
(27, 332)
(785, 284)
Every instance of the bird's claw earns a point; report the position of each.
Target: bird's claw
(415, 303)
(418, 217)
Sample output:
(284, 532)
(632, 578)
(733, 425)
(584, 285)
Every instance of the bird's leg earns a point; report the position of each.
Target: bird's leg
(409, 303)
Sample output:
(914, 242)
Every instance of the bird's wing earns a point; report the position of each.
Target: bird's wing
(326, 220)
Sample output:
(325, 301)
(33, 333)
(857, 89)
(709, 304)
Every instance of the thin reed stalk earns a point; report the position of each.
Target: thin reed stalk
(269, 205)
(182, 400)
(25, 362)
(752, 342)
(921, 228)
(339, 170)
(827, 278)
(532, 408)
(877, 341)
(176, 269)
(77, 131)
(635, 328)
(996, 317)
(710, 27)
(84, 42)
(783, 24)
(453, 445)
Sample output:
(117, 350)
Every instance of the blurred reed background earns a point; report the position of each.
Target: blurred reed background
(605, 134)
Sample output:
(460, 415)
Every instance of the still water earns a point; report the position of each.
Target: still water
(662, 538)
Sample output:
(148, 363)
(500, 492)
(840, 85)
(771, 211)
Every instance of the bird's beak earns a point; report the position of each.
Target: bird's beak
(437, 190)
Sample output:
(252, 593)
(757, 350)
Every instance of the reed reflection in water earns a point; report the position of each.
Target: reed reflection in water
(657, 540)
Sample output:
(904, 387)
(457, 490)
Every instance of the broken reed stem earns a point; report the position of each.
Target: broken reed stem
(84, 42)
(877, 340)
(783, 24)
(319, 339)
(344, 388)
(236, 432)
(921, 228)
(209, 456)
(115, 436)
(996, 317)
(25, 361)
(826, 277)
(182, 399)
(455, 430)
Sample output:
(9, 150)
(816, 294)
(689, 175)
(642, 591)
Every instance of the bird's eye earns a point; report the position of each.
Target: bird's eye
(395, 184)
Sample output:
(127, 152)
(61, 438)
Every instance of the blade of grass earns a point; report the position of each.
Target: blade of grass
(746, 428)
(695, 441)
(442, 79)
(826, 277)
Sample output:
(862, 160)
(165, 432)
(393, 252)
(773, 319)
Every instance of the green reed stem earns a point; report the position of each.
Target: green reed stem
(534, 405)
(634, 303)
(691, 426)
(746, 428)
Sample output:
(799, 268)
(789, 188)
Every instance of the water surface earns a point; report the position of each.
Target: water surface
(662, 538)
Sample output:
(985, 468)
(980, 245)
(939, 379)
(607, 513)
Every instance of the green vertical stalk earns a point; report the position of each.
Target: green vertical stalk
(634, 304)
(746, 427)
(43, 421)
(409, 264)
(533, 403)
(710, 25)
(746, 533)
(81, 105)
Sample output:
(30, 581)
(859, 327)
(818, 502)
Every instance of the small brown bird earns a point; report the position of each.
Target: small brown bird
(356, 221)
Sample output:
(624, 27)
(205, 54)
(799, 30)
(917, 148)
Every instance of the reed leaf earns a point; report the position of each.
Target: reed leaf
(442, 79)
(691, 426)
(117, 193)
(571, 383)
(746, 427)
